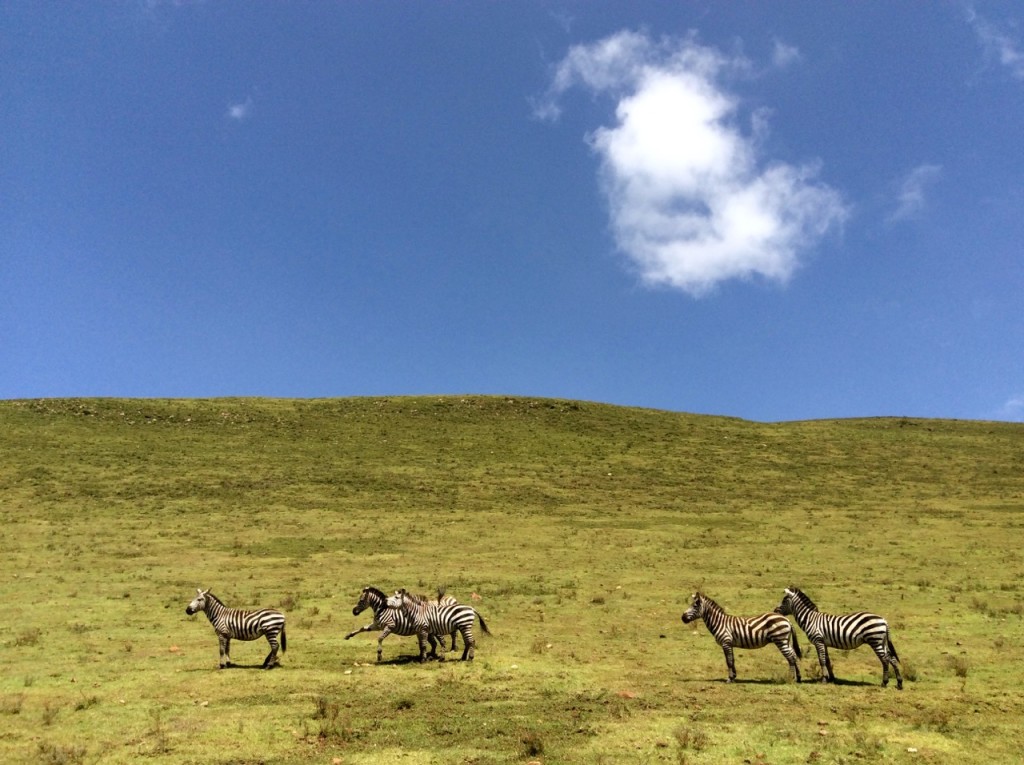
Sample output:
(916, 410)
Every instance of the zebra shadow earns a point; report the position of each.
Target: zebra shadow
(741, 681)
(839, 681)
(410, 659)
(251, 666)
(258, 666)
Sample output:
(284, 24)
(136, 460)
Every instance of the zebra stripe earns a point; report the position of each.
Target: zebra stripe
(235, 623)
(433, 618)
(742, 632)
(390, 620)
(847, 631)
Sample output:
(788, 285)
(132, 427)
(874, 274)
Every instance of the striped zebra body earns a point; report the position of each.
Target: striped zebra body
(433, 618)
(389, 620)
(234, 623)
(847, 631)
(744, 632)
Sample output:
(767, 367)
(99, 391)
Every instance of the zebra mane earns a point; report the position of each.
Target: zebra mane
(213, 597)
(800, 596)
(378, 593)
(418, 600)
(709, 604)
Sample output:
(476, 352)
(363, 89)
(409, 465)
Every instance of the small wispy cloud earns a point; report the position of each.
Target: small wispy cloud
(910, 199)
(1000, 42)
(240, 110)
(784, 55)
(1013, 409)
(691, 202)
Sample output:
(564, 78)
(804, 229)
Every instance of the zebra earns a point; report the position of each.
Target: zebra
(235, 623)
(391, 620)
(846, 632)
(433, 618)
(742, 632)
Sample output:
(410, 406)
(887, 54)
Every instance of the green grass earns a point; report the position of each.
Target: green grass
(583, 527)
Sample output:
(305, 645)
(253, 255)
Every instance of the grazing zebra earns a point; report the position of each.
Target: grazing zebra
(389, 620)
(433, 618)
(846, 632)
(742, 632)
(235, 623)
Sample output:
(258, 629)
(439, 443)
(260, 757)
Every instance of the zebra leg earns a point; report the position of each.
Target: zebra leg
(883, 656)
(890, 652)
(225, 645)
(271, 660)
(368, 628)
(433, 645)
(729, 661)
(896, 669)
(422, 638)
(828, 664)
(380, 648)
(789, 655)
(468, 645)
(824, 661)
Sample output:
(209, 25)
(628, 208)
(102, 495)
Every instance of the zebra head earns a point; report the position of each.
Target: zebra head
(370, 597)
(696, 609)
(791, 596)
(786, 606)
(198, 603)
(398, 599)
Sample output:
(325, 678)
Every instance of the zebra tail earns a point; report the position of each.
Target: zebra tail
(284, 641)
(796, 646)
(892, 648)
(483, 624)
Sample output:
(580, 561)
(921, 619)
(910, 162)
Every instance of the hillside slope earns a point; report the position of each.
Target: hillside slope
(582, 527)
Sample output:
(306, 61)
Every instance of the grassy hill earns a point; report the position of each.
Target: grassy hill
(583, 528)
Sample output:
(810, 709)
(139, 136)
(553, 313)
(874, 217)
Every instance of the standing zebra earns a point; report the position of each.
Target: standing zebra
(235, 623)
(742, 632)
(847, 631)
(433, 618)
(389, 620)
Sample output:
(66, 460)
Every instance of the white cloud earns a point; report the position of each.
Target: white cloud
(691, 203)
(241, 110)
(1013, 409)
(998, 43)
(911, 197)
(783, 55)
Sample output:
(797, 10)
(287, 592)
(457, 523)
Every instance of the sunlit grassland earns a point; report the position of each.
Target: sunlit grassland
(583, 527)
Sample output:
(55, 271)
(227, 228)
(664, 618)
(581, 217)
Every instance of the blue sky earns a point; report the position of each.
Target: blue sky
(774, 211)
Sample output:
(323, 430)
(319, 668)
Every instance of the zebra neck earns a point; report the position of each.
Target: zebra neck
(802, 611)
(214, 608)
(714, 617)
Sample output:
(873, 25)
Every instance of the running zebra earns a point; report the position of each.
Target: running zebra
(433, 618)
(391, 620)
(742, 632)
(846, 632)
(235, 623)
